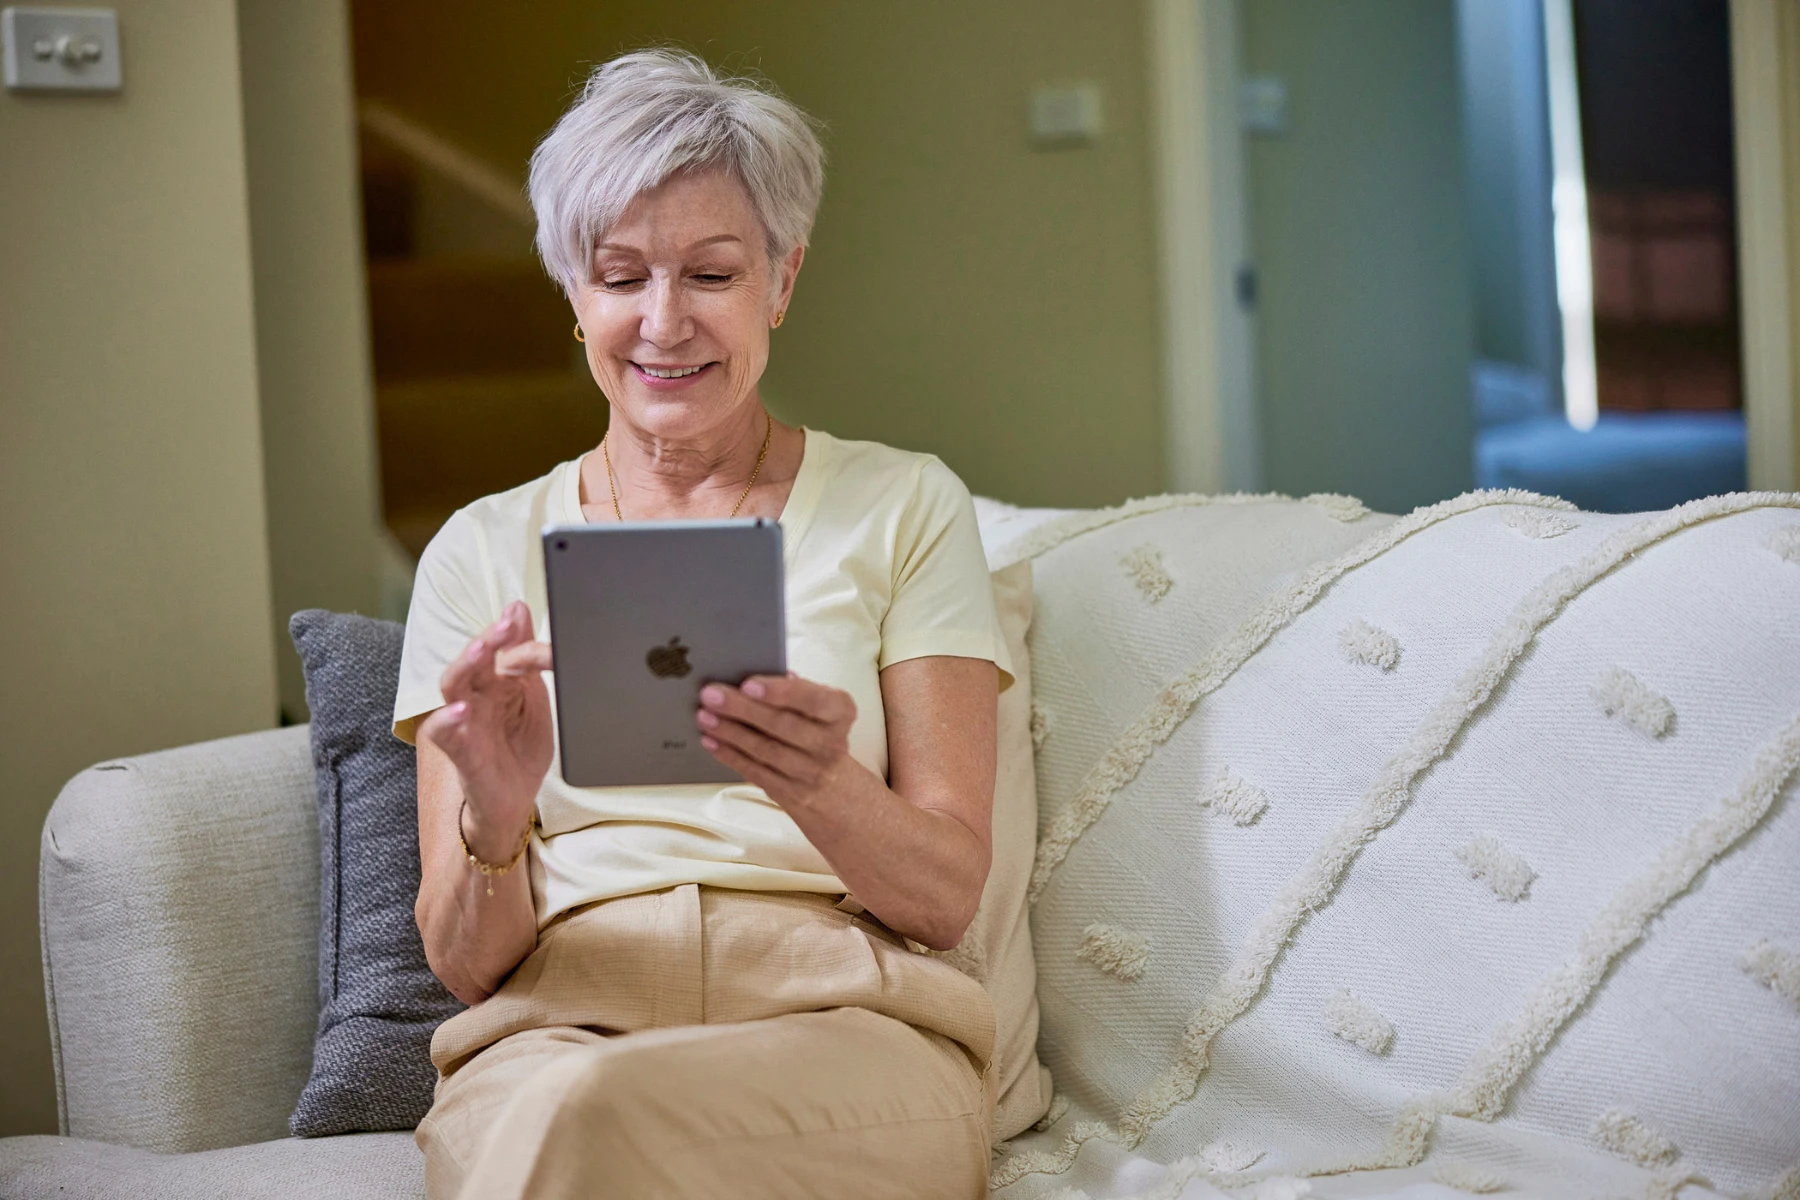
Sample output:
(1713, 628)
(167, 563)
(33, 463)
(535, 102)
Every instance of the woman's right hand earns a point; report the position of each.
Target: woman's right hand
(494, 727)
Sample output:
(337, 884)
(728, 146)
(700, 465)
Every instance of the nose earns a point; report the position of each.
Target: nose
(665, 322)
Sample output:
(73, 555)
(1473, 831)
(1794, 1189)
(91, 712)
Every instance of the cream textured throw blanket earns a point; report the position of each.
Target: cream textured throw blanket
(1457, 849)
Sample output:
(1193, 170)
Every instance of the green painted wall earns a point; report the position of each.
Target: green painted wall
(134, 561)
(1366, 309)
(966, 293)
(312, 333)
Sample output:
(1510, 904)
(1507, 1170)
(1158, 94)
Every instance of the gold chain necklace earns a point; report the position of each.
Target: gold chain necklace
(768, 431)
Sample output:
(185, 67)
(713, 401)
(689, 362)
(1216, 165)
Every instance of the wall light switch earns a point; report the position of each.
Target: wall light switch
(1063, 116)
(61, 49)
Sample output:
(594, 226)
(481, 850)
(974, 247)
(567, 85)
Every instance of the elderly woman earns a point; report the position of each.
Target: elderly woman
(708, 990)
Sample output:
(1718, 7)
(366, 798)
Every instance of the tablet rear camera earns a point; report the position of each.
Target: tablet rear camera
(562, 543)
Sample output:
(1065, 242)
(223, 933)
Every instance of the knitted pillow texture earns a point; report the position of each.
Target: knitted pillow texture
(378, 1000)
(1453, 847)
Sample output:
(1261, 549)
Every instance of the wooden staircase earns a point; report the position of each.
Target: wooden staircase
(479, 385)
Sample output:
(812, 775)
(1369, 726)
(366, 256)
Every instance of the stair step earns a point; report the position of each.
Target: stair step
(450, 316)
(448, 441)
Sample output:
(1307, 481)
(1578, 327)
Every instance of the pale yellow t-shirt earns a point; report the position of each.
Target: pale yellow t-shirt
(883, 563)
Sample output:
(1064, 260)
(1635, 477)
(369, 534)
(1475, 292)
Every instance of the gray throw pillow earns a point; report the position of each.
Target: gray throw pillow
(378, 1000)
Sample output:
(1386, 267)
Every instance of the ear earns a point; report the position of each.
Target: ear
(788, 271)
(575, 307)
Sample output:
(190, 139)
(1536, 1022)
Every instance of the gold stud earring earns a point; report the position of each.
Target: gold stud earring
(578, 336)
(780, 317)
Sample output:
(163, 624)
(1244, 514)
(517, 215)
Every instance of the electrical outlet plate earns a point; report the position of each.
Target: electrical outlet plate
(61, 49)
(1065, 116)
(1263, 105)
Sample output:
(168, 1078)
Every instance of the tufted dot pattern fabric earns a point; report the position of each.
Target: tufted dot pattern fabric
(1333, 986)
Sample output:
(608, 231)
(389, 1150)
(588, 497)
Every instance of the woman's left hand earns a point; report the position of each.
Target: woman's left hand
(787, 735)
(914, 848)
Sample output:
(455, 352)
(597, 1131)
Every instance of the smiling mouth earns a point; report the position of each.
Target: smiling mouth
(670, 372)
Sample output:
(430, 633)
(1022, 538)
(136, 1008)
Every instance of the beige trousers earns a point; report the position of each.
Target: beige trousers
(704, 1042)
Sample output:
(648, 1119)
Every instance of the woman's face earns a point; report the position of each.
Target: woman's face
(677, 319)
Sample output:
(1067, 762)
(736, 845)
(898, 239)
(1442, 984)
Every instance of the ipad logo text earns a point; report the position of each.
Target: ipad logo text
(669, 661)
(674, 744)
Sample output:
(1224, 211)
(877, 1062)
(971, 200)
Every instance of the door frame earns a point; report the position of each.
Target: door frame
(1765, 84)
(1196, 148)
(1203, 239)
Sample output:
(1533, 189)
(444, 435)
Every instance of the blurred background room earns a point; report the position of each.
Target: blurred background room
(269, 311)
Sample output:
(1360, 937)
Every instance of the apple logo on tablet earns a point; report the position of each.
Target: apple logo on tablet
(670, 661)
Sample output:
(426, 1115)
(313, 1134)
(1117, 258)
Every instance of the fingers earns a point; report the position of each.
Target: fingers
(517, 616)
(793, 762)
(818, 702)
(524, 658)
(760, 774)
(828, 705)
(449, 730)
(467, 671)
(512, 629)
(473, 670)
(439, 725)
(719, 702)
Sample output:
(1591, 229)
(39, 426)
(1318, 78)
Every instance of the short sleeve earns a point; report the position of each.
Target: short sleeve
(450, 608)
(942, 599)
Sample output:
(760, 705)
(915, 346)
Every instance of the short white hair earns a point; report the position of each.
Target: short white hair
(648, 115)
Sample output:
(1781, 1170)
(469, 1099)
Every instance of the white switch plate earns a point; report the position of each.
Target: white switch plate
(1263, 105)
(1062, 116)
(61, 49)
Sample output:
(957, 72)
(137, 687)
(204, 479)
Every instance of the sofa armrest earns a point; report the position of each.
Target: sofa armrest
(179, 910)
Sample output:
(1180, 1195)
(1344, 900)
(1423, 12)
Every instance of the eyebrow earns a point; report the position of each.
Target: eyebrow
(711, 241)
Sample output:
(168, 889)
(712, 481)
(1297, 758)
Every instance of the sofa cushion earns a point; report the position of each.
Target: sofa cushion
(373, 1166)
(996, 950)
(378, 1000)
(1382, 845)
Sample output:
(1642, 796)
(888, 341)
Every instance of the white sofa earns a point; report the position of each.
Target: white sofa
(1378, 856)
(179, 909)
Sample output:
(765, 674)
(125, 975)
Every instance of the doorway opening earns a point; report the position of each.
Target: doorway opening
(479, 383)
(1617, 142)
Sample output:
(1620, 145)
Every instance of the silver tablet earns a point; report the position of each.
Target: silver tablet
(641, 616)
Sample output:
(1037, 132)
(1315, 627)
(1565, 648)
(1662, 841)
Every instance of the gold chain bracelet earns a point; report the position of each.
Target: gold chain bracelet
(488, 869)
